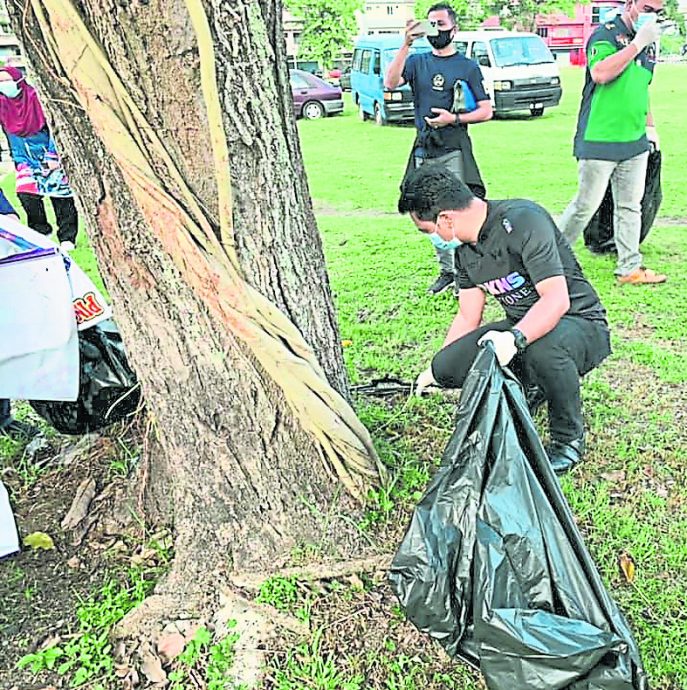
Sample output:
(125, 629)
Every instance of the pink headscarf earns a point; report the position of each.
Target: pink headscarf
(24, 114)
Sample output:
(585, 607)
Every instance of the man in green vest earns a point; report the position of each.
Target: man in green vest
(614, 131)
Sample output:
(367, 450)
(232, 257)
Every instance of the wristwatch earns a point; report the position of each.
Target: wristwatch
(520, 339)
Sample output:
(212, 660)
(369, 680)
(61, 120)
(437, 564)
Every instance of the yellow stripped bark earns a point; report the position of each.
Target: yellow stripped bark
(209, 265)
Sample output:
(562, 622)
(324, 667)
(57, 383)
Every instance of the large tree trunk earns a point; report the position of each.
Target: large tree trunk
(253, 436)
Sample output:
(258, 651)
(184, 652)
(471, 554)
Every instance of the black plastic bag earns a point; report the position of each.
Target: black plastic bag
(493, 566)
(108, 388)
(598, 235)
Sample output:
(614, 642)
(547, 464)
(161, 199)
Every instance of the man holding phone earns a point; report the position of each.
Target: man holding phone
(439, 80)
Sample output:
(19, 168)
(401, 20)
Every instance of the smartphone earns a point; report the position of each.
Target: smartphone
(427, 28)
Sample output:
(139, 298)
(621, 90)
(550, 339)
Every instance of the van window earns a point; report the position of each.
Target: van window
(520, 50)
(357, 59)
(365, 63)
(390, 53)
(461, 46)
(480, 54)
(375, 63)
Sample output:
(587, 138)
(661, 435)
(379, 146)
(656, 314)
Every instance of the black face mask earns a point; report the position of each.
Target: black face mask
(442, 40)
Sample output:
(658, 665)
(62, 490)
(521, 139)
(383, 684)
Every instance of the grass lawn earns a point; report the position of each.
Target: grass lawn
(631, 492)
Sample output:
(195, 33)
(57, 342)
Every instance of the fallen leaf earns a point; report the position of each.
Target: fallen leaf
(346, 343)
(152, 669)
(170, 646)
(628, 567)
(74, 562)
(82, 501)
(615, 477)
(39, 540)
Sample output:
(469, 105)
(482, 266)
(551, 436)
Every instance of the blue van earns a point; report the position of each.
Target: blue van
(371, 57)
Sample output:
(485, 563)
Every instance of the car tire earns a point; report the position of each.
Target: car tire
(362, 115)
(536, 112)
(313, 110)
(380, 120)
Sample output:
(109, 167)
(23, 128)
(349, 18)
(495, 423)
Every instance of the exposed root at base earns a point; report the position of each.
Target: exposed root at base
(315, 571)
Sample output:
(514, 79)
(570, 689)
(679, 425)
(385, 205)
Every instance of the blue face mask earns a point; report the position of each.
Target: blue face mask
(644, 18)
(9, 89)
(443, 244)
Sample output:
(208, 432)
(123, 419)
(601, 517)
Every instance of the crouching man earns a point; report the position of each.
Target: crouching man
(555, 329)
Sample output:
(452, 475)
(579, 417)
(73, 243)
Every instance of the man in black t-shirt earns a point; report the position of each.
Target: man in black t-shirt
(440, 80)
(555, 328)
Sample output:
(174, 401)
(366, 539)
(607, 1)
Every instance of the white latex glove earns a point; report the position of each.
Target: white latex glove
(652, 136)
(424, 381)
(649, 33)
(504, 345)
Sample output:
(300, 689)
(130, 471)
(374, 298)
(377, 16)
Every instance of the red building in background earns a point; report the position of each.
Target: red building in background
(568, 35)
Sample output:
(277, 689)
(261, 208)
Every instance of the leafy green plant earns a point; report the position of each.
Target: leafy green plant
(88, 654)
(283, 594)
(213, 661)
(306, 667)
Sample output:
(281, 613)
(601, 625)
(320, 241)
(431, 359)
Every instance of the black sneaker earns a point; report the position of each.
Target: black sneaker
(441, 284)
(565, 455)
(19, 431)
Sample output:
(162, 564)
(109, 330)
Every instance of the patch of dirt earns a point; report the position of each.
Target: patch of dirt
(40, 589)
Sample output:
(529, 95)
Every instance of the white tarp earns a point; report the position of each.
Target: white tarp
(45, 298)
(9, 539)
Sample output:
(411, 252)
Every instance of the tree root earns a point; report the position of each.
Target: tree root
(315, 571)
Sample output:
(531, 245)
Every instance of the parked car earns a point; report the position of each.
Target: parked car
(345, 79)
(313, 98)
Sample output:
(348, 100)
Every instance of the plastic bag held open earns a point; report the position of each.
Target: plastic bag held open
(493, 566)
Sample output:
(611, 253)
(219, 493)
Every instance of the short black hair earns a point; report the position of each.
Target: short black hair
(431, 189)
(444, 6)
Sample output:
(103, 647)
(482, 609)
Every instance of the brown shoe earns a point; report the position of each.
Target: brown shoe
(642, 276)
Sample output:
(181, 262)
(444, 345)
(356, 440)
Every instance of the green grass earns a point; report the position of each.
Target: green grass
(380, 266)
(356, 165)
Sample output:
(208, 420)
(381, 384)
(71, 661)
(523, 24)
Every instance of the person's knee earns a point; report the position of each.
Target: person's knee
(448, 369)
(549, 363)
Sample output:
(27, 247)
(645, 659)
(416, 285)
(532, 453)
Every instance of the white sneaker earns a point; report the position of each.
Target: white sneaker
(67, 246)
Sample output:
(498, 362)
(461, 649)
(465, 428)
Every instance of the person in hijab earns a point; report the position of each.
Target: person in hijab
(39, 171)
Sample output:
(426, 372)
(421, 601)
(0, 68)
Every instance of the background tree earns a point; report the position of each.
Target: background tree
(673, 13)
(328, 27)
(522, 14)
(470, 13)
(175, 121)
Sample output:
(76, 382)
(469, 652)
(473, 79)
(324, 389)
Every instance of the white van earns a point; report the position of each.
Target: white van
(520, 73)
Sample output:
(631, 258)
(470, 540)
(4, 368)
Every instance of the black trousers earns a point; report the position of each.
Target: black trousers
(65, 214)
(555, 363)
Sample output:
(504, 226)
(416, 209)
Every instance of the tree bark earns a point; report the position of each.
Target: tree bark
(242, 473)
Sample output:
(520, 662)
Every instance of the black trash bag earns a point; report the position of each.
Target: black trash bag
(493, 566)
(598, 235)
(108, 388)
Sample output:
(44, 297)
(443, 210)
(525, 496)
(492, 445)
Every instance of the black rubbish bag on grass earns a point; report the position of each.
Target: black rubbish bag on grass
(598, 235)
(108, 388)
(493, 566)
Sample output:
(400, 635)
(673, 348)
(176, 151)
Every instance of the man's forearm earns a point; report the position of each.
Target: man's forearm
(543, 316)
(394, 72)
(482, 113)
(614, 65)
(460, 327)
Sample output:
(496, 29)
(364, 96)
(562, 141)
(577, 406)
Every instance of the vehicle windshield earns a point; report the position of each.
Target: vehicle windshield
(390, 53)
(520, 50)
